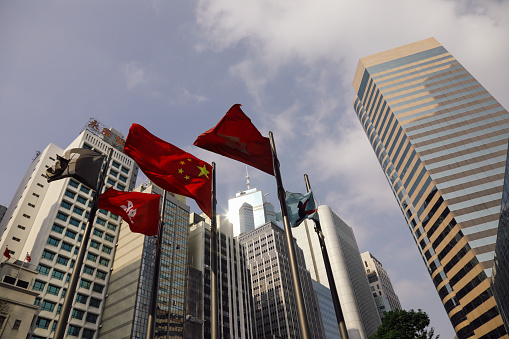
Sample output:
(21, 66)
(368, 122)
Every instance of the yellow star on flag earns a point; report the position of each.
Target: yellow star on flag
(203, 171)
(181, 171)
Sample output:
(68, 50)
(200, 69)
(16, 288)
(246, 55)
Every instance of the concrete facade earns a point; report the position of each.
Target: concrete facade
(380, 284)
(359, 309)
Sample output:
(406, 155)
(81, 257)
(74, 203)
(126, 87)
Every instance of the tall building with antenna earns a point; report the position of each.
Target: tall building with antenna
(249, 209)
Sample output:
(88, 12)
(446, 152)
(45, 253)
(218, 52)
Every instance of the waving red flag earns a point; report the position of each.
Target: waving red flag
(236, 137)
(139, 210)
(171, 168)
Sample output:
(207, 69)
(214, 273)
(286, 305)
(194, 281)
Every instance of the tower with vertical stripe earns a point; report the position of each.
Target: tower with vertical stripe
(441, 140)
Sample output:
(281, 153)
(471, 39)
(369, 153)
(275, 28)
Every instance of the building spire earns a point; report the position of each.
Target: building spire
(248, 183)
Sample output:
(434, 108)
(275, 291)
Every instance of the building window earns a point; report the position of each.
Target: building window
(73, 183)
(95, 302)
(91, 318)
(53, 241)
(35, 195)
(109, 238)
(21, 227)
(100, 221)
(43, 269)
(94, 244)
(88, 334)
(112, 227)
(88, 270)
(62, 260)
(62, 216)
(47, 255)
(31, 205)
(82, 200)
(103, 212)
(16, 239)
(48, 306)
(85, 284)
(70, 194)
(77, 314)
(74, 222)
(78, 210)
(66, 205)
(111, 182)
(92, 257)
(106, 249)
(38, 285)
(57, 228)
(42, 323)
(66, 247)
(98, 233)
(125, 170)
(26, 216)
(113, 216)
(122, 178)
(84, 189)
(70, 234)
(81, 298)
(120, 187)
(103, 261)
(115, 164)
(73, 330)
(40, 185)
(100, 274)
(57, 274)
(98, 288)
(52, 289)
(113, 172)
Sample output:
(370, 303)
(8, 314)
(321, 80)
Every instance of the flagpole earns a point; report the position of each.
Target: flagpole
(71, 291)
(332, 284)
(214, 328)
(155, 277)
(301, 309)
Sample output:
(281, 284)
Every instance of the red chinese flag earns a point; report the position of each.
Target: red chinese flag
(236, 137)
(7, 254)
(139, 210)
(171, 168)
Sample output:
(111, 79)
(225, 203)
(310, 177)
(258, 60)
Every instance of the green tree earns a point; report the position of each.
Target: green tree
(401, 324)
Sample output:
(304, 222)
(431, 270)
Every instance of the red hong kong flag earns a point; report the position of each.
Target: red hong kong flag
(139, 210)
(28, 257)
(7, 254)
(171, 168)
(236, 137)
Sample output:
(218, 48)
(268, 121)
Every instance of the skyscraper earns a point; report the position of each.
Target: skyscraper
(234, 294)
(127, 307)
(441, 140)
(359, 309)
(380, 284)
(47, 222)
(275, 310)
(500, 278)
(249, 209)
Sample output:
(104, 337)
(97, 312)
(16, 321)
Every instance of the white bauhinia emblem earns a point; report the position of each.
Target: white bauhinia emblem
(129, 210)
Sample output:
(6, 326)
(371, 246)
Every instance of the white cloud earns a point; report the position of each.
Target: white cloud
(134, 75)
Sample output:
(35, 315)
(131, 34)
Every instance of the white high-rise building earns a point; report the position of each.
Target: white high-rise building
(47, 221)
(380, 284)
(359, 309)
(249, 210)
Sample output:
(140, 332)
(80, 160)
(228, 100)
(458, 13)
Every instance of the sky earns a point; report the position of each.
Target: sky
(177, 66)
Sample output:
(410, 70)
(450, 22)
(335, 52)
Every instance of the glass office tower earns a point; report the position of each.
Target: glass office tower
(441, 140)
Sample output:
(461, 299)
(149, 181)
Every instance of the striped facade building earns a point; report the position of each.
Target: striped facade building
(441, 140)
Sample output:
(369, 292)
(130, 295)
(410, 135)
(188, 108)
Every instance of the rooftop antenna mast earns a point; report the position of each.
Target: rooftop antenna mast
(248, 183)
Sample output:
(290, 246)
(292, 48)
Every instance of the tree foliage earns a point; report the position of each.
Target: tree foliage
(401, 324)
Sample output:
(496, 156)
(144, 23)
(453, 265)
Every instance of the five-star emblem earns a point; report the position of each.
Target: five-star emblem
(203, 171)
